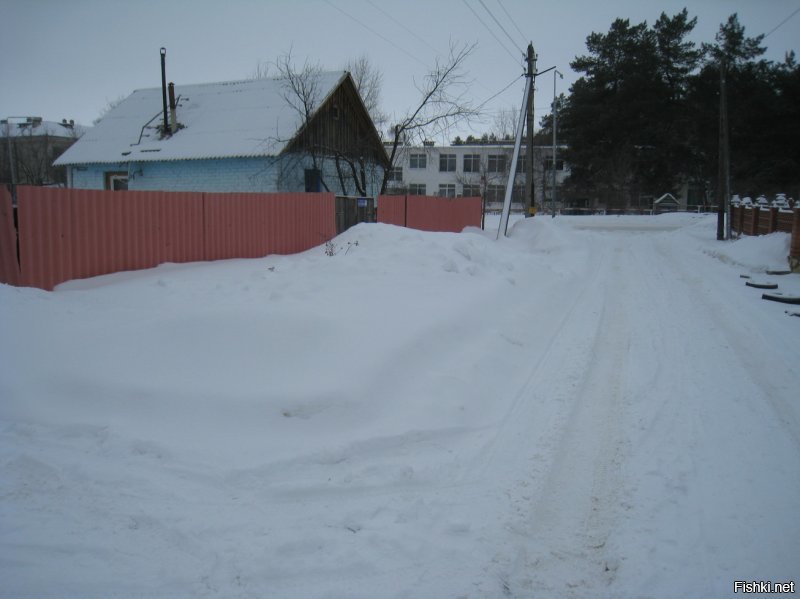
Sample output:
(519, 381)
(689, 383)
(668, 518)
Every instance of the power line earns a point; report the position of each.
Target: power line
(513, 22)
(368, 28)
(479, 106)
(782, 23)
(503, 29)
(487, 100)
(423, 40)
(477, 16)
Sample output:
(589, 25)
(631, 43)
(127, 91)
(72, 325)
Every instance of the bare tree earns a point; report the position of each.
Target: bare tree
(110, 104)
(505, 123)
(301, 86)
(261, 71)
(369, 82)
(442, 104)
(353, 155)
(301, 90)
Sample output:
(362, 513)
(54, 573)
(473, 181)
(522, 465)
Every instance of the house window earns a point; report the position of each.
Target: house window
(117, 181)
(395, 174)
(313, 180)
(417, 189)
(447, 163)
(472, 191)
(418, 161)
(472, 163)
(496, 193)
(521, 162)
(447, 190)
(497, 163)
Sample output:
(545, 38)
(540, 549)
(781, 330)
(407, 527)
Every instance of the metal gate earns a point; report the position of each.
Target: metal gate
(352, 210)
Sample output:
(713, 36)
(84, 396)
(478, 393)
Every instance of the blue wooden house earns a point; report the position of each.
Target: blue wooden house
(238, 136)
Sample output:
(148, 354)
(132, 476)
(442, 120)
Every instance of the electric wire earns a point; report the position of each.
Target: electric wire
(503, 29)
(513, 22)
(420, 38)
(499, 41)
(368, 28)
(478, 107)
(781, 23)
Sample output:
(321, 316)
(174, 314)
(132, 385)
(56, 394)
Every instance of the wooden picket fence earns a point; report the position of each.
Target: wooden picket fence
(754, 220)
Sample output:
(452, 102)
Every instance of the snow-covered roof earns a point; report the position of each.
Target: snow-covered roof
(667, 198)
(219, 120)
(39, 127)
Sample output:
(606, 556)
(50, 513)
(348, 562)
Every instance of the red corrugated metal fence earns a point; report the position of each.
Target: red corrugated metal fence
(429, 213)
(69, 234)
(249, 225)
(76, 233)
(392, 210)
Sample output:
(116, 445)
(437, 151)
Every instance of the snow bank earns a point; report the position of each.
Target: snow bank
(417, 414)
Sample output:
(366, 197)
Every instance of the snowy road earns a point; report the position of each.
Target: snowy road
(669, 439)
(593, 407)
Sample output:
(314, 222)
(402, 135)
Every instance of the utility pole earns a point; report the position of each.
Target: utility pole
(555, 127)
(723, 183)
(531, 205)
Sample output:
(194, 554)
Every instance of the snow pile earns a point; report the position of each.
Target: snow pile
(417, 414)
(757, 254)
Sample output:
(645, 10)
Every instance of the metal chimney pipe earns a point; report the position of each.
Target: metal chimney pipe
(173, 119)
(167, 130)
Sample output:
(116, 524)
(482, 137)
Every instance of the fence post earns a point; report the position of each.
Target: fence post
(773, 220)
(754, 220)
(794, 249)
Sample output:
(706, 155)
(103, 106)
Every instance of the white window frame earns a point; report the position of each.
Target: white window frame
(447, 190)
(418, 161)
(448, 160)
(497, 163)
(472, 163)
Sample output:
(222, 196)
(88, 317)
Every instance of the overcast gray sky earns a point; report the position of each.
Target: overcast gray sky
(69, 58)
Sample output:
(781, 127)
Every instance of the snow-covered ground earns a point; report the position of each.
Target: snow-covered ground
(592, 407)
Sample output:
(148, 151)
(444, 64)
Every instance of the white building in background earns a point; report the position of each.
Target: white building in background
(476, 170)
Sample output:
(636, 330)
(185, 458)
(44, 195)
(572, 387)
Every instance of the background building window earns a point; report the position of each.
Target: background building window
(447, 190)
(497, 163)
(418, 161)
(496, 193)
(396, 174)
(472, 163)
(417, 189)
(472, 191)
(447, 163)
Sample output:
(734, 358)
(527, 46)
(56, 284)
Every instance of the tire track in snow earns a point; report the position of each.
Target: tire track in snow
(578, 500)
(558, 494)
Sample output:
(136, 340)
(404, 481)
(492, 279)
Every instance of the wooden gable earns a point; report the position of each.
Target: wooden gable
(341, 126)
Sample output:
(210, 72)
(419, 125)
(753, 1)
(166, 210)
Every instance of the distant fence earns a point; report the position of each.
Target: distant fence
(58, 235)
(430, 213)
(753, 220)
